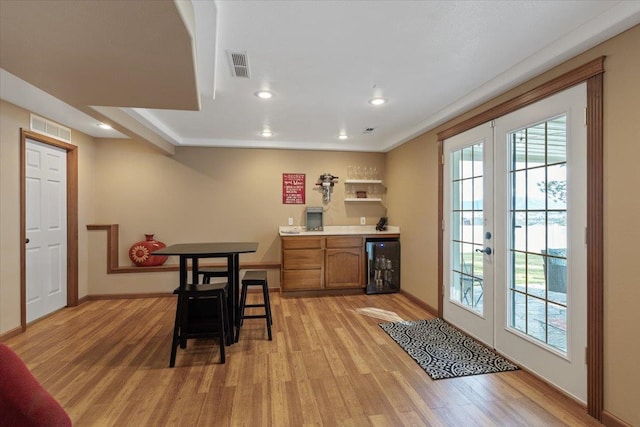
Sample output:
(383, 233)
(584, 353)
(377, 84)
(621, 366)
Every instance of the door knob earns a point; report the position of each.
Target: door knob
(486, 250)
(26, 241)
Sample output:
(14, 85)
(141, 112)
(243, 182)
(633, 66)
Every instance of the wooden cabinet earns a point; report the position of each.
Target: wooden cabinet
(344, 262)
(322, 263)
(302, 263)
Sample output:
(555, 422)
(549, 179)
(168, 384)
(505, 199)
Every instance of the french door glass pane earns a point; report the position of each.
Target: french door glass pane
(467, 224)
(538, 249)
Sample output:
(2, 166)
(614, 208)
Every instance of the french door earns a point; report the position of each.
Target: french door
(517, 247)
(468, 269)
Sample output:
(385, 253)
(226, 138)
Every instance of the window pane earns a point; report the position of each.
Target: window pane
(557, 187)
(518, 316)
(456, 170)
(536, 231)
(456, 195)
(519, 271)
(558, 327)
(557, 140)
(477, 160)
(520, 231)
(467, 162)
(535, 276)
(518, 150)
(536, 318)
(536, 140)
(519, 190)
(536, 186)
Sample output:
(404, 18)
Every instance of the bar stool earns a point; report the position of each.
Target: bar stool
(209, 272)
(255, 278)
(201, 312)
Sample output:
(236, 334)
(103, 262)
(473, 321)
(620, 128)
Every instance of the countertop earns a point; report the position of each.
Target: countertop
(338, 230)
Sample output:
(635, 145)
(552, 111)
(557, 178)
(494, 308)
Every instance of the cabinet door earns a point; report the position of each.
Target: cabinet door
(344, 268)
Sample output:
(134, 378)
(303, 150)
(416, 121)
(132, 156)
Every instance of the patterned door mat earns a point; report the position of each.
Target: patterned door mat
(443, 351)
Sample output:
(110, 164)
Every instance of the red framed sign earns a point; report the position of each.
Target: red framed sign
(293, 188)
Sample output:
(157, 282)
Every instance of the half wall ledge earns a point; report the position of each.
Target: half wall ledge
(113, 262)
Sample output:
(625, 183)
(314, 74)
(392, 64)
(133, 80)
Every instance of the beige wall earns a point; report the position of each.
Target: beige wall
(210, 194)
(13, 118)
(412, 179)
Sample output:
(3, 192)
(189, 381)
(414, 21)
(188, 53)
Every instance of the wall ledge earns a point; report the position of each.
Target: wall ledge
(113, 263)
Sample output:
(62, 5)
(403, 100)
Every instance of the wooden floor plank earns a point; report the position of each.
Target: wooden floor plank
(106, 362)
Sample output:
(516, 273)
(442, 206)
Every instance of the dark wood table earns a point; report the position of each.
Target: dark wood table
(229, 250)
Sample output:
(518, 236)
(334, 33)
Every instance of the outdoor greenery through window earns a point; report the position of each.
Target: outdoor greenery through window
(538, 242)
(467, 227)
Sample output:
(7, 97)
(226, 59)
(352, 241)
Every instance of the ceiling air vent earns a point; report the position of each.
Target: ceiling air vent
(239, 64)
(49, 128)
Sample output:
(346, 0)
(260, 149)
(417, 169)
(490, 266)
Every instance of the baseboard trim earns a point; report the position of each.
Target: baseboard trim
(433, 311)
(610, 420)
(10, 334)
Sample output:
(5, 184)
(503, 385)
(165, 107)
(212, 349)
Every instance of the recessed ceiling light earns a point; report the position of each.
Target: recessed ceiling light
(377, 101)
(342, 136)
(264, 94)
(266, 133)
(104, 126)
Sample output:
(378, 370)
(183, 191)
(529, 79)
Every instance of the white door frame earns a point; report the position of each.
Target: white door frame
(72, 219)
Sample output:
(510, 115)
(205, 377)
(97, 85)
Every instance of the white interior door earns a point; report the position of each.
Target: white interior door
(540, 262)
(46, 229)
(468, 228)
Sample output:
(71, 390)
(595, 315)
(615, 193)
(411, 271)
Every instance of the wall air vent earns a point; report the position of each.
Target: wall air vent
(368, 130)
(49, 128)
(239, 64)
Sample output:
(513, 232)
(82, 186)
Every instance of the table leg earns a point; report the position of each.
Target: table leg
(236, 306)
(232, 299)
(182, 305)
(194, 271)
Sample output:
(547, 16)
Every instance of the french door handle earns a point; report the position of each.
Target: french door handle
(486, 250)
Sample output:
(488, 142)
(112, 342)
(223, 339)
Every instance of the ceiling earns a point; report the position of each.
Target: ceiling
(160, 70)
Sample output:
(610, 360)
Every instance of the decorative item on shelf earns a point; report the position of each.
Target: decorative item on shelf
(361, 194)
(141, 252)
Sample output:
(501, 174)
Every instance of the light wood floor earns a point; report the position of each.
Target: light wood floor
(107, 364)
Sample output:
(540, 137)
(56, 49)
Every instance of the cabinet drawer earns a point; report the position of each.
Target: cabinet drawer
(302, 243)
(302, 259)
(344, 242)
(301, 279)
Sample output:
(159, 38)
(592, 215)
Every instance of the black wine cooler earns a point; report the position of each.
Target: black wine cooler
(383, 266)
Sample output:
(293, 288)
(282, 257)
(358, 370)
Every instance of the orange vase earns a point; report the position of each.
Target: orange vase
(140, 252)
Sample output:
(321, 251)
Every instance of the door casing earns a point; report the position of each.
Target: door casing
(72, 219)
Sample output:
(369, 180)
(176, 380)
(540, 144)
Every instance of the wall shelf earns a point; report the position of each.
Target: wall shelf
(359, 185)
(363, 181)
